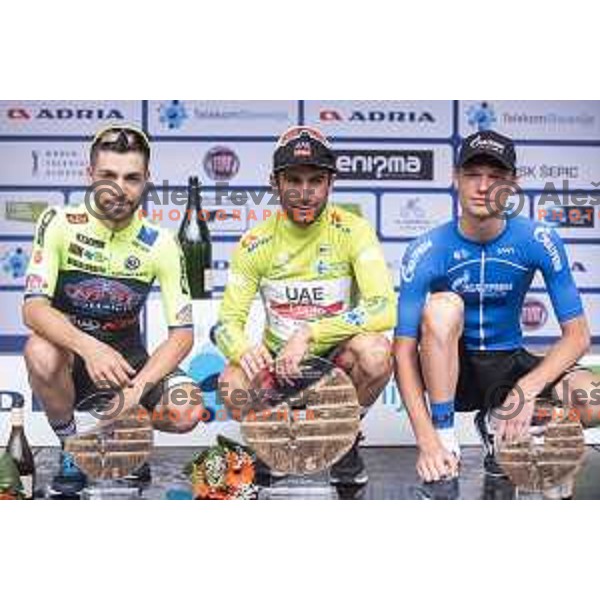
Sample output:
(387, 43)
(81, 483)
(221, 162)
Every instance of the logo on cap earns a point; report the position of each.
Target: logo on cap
(303, 149)
(491, 143)
(486, 143)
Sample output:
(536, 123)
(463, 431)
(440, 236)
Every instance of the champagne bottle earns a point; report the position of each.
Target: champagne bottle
(194, 239)
(18, 447)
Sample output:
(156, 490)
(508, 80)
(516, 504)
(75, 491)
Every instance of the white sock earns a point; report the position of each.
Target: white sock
(449, 440)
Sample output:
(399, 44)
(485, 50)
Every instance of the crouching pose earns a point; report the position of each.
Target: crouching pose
(91, 269)
(458, 340)
(324, 283)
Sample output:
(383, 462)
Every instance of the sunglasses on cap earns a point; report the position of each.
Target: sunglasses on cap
(113, 133)
(301, 130)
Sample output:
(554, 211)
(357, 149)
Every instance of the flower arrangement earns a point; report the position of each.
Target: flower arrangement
(223, 472)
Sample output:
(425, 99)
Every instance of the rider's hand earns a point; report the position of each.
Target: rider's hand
(255, 360)
(120, 403)
(435, 462)
(106, 367)
(287, 364)
(512, 420)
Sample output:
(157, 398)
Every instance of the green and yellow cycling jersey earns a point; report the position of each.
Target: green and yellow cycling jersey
(331, 275)
(101, 278)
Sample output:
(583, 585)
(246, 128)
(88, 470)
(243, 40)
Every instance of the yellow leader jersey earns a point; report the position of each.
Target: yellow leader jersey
(331, 276)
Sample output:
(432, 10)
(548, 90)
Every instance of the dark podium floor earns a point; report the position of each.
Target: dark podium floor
(391, 474)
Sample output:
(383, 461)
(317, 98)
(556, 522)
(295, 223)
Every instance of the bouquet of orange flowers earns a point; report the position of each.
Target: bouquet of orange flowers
(223, 472)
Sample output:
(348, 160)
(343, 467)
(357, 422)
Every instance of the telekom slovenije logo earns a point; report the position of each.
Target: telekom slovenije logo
(173, 115)
(481, 116)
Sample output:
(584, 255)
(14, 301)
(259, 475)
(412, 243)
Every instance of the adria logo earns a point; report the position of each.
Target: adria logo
(64, 114)
(377, 116)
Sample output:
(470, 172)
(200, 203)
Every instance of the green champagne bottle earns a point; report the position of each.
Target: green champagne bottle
(194, 238)
(18, 447)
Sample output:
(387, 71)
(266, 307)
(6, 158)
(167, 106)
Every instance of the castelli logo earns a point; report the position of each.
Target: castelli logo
(487, 144)
(534, 315)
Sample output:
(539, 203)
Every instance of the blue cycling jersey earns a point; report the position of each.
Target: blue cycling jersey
(492, 278)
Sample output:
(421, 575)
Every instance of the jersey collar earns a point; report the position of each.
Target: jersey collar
(102, 231)
(314, 228)
(471, 240)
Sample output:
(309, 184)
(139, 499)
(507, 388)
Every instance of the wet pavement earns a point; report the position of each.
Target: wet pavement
(391, 475)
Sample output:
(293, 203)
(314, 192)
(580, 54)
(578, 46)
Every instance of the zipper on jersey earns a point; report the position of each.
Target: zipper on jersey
(481, 299)
(111, 241)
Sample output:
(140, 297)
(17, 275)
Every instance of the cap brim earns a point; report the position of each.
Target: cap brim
(491, 156)
(308, 163)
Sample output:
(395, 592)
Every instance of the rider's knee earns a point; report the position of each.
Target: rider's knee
(44, 360)
(233, 389)
(443, 317)
(374, 357)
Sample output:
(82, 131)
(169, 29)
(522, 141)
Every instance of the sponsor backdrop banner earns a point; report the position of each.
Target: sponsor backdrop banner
(64, 117)
(398, 119)
(221, 118)
(550, 120)
(395, 168)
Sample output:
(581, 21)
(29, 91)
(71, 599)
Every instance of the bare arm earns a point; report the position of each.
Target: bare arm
(573, 344)
(434, 462)
(104, 364)
(166, 358)
(54, 326)
(568, 308)
(412, 390)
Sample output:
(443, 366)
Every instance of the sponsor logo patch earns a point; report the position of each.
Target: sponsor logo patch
(77, 218)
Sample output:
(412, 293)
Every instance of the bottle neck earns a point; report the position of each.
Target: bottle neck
(17, 417)
(194, 200)
(193, 218)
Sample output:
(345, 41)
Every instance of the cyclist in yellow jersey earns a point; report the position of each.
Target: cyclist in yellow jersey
(91, 269)
(324, 283)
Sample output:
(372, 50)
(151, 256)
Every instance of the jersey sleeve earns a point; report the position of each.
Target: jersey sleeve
(416, 274)
(375, 311)
(44, 265)
(242, 286)
(174, 288)
(553, 262)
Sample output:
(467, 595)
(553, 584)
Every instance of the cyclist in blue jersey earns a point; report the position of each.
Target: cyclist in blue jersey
(458, 339)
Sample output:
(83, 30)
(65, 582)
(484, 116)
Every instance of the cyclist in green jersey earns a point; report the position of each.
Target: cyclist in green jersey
(324, 283)
(91, 270)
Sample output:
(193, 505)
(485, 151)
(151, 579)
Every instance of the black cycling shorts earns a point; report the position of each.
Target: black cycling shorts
(486, 377)
(137, 358)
